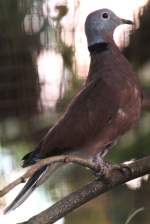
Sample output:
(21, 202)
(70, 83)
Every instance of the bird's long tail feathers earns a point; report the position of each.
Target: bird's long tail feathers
(37, 179)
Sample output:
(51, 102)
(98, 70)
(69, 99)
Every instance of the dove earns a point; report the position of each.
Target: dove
(108, 105)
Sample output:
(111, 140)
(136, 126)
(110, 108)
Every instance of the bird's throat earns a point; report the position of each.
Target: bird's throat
(98, 47)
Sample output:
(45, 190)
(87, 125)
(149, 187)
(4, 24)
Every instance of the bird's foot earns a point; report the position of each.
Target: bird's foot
(104, 169)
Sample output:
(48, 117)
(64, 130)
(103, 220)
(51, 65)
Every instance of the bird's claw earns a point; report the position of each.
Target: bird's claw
(104, 169)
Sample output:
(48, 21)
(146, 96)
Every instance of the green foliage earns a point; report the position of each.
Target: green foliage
(62, 11)
(67, 54)
(139, 49)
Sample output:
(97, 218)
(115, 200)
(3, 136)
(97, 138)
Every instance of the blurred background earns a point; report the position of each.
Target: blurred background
(44, 61)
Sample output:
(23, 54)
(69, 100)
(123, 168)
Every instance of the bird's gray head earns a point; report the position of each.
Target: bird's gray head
(101, 22)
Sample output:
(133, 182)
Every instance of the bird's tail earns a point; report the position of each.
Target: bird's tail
(37, 179)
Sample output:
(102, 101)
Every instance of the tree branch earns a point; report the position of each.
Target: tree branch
(74, 200)
(63, 158)
(114, 176)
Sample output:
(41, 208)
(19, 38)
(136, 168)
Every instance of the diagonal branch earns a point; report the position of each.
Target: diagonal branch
(76, 199)
(48, 161)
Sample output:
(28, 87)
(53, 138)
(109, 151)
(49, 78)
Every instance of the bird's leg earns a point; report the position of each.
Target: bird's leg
(102, 167)
(105, 168)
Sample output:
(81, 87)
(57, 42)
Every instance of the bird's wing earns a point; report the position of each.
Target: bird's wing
(88, 114)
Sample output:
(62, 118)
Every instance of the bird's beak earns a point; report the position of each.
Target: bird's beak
(125, 21)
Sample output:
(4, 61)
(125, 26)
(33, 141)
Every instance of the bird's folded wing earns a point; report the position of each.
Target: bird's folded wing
(89, 113)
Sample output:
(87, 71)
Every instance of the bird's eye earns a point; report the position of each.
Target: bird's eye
(105, 15)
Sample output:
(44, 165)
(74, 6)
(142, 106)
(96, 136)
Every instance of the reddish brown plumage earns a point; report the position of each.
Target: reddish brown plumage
(107, 106)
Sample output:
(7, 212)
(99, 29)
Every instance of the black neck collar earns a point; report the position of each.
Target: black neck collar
(98, 48)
